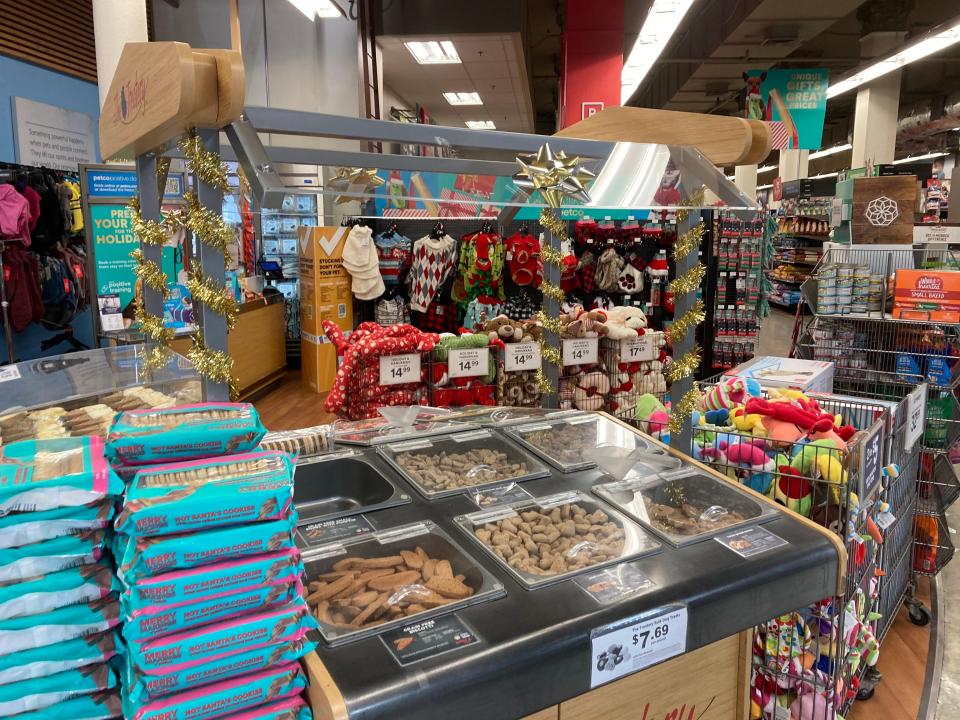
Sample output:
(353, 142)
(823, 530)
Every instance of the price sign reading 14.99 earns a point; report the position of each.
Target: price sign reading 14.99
(631, 645)
(582, 351)
(399, 369)
(521, 356)
(468, 362)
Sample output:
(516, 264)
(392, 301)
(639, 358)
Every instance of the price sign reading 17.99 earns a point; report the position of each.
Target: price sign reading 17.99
(399, 369)
(468, 362)
(521, 356)
(638, 349)
(582, 351)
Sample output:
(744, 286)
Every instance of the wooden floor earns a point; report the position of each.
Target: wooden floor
(903, 656)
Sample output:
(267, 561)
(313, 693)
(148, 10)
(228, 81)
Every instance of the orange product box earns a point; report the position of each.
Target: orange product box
(928, 292)
(325, 294)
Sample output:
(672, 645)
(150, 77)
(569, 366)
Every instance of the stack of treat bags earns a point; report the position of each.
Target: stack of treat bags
(59, 653)
(211, 594)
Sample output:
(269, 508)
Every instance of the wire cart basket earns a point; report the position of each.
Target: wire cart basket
(818, 657)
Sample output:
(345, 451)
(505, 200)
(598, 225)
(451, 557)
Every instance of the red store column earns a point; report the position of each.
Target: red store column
(592, 59)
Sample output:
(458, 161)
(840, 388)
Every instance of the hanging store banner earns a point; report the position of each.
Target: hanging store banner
(793, 102)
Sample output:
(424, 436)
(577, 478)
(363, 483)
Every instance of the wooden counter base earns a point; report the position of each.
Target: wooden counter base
(710, 683)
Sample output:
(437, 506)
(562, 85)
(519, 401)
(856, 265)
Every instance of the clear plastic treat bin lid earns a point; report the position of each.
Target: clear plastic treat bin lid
(568, 442)
(499, 416)
(448, 465)
(684, 506)
(555, 537)
(396, 423)
(376, 582)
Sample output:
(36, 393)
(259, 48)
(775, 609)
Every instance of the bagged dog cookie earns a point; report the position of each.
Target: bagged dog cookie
(39, 693)
(201, 612)
(18, 529)
(169, 590)
(203, 494)
(51, 556)
(57, 626)
(48, 592)
(97, 706)
(208, 643)
(37, 475)
(222, 698)
(290, 709)
(184, 432)
(142, 688)
(59, 657)
(142, 557)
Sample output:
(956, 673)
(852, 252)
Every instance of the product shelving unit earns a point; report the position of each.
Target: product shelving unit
(802, 226)
(915, 364)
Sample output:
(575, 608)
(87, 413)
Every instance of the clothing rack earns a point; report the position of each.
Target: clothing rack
(5, 310)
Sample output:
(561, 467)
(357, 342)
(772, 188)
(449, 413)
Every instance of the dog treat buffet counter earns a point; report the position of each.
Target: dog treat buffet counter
(543, 585)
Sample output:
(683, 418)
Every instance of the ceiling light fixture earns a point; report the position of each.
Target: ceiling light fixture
(463, 98)
(433, 52)
(661, 23)
(915, 158)
(830, 151)
(939, 38)
(317, 8)
(764, 187)
(481, 125)
(766, 168)
(824, 175)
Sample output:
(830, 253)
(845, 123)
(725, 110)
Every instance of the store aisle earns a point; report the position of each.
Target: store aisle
(289, 406)
(776, 331)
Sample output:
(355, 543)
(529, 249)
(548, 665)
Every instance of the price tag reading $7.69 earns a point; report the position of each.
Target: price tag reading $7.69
(631, 645)
(399, 369)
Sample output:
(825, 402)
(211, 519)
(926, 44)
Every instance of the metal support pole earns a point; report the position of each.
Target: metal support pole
(214, 326)
(552, 309)
(682, 304)
(150, 209)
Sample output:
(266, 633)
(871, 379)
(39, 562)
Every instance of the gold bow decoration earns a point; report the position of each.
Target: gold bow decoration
(555, 175)
(363, 178)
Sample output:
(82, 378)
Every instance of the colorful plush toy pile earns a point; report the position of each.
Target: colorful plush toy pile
(357, 393)
(796, 656)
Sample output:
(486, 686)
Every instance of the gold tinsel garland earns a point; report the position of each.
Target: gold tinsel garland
(688, 242)
(215, 365)
(548, 254)
(553, 223)
(550, 324)
(150, 272)
(208, 291)
(150, 232)
(205, 164)
(208, 225)
(688, 321)
(688, 282)
(684, 366)
(683, 409)
(552, 291)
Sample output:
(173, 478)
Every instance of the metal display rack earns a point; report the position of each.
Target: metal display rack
(914, 363)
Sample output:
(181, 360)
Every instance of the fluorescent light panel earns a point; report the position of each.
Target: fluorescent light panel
(317, 8)
(433, 52)
(463, 98)
(659, 26)
(830, 151)
(481, 125)
(824, 175)
(766, 168)
(938, 40)
(764, 187)
(915, 158)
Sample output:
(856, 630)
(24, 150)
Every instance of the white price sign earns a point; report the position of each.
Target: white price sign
(629, 646)
(10, 372)
(468, 362)
(521, 356)
(399, 369)
(916, 411)
(638, 349)
(581, 351)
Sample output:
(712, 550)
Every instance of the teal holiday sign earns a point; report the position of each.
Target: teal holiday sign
(794, 99)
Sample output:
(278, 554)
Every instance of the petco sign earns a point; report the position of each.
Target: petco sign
(589, 109)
